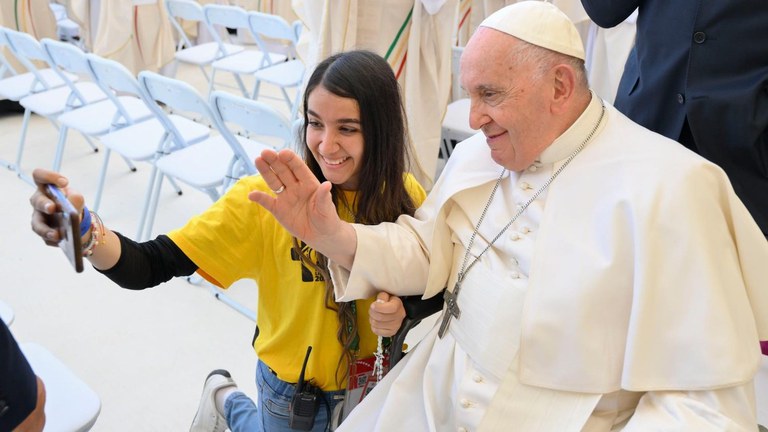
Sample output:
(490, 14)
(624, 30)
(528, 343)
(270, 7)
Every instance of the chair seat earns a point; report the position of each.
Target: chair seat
(204, 54)
(217, 156)
(54, 101)
(98, 118)
(287, 74)
(141, 140)
(18, 86)
(246, 62)
(71, 405)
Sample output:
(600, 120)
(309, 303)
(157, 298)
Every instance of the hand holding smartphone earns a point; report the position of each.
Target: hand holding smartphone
(67, 221)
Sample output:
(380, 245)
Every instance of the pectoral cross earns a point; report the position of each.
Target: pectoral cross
(452, 307)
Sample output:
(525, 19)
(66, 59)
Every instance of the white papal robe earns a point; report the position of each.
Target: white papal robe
(629, 296)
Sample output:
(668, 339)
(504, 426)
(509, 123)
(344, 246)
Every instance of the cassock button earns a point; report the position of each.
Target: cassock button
(465, 403)
(525, 230)
(525, 186)
(477, 378)
(532, 168)
(514, 236)
(515, 275)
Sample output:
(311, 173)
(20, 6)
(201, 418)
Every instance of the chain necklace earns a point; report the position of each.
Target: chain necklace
(451, 297)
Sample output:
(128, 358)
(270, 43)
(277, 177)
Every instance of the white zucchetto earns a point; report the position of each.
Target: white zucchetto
(539, 23)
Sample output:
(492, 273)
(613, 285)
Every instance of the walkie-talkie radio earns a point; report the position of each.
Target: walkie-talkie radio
(305, 402)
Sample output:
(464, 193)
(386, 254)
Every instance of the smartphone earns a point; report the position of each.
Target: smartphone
(67, 220)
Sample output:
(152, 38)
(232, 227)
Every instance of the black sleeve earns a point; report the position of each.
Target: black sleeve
(18, 384)
(144, 265)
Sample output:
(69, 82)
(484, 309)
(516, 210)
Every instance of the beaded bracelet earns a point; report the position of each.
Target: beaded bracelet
(98, 235)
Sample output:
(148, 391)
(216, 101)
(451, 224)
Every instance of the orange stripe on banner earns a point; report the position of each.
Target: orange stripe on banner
(402, 65)
(464, 18)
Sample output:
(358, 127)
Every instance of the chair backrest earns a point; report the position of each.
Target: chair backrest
(114, 78)
(5, 65)
(27, 49)
(63, 57)
(233, 17)
(66, 56)
(253, 118)
(176, 95)
(187, 10)
(272, 27)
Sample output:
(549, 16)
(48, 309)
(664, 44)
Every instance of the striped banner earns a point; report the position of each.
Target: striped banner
(397, 53)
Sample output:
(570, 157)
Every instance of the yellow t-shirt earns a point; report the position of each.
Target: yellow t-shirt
(238, 239)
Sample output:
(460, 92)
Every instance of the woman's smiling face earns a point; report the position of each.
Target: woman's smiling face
(334, 136)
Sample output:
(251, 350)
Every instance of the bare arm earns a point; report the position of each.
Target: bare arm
(304, 207)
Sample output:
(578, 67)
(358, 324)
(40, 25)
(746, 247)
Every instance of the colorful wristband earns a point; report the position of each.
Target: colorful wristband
(85, 224)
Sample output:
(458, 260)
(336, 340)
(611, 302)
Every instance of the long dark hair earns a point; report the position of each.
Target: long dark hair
(381, 197)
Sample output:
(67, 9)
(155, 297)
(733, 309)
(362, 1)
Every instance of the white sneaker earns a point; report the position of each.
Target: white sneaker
(208, 418)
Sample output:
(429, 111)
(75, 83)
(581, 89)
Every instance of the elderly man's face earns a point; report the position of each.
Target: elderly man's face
(506, 102)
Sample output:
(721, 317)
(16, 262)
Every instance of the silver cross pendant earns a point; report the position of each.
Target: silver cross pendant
(451, 308)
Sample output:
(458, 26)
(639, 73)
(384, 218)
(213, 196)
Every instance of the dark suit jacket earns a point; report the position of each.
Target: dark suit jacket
(706, 61)
(18, 384)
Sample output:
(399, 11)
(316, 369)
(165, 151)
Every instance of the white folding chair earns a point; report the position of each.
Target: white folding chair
(140, 141)
(271, 31)
(206, 165)
(94, 119)
(70, 405)
(203, 54)
(53, 102)
(21, 84)
(244, 63)
(18, 84)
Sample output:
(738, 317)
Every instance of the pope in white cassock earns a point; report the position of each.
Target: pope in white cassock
(600, 276)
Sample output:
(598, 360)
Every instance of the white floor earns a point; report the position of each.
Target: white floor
(145, 353)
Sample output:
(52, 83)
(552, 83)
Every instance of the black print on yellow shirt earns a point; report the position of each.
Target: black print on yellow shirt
(307, 274)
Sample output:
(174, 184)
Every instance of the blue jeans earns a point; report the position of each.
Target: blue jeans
(274, 397)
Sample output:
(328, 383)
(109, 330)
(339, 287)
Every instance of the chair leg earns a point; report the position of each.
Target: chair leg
(210, 81)
(176, 186)
(256, 87)
(102, 178)
(154, 199)
(90, 143)
(241, 85)
(205, 73)
(128, 162)
(147, 199)
(60, 148)
(22, 138)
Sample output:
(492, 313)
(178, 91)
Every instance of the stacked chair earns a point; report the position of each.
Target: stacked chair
(204, 54)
